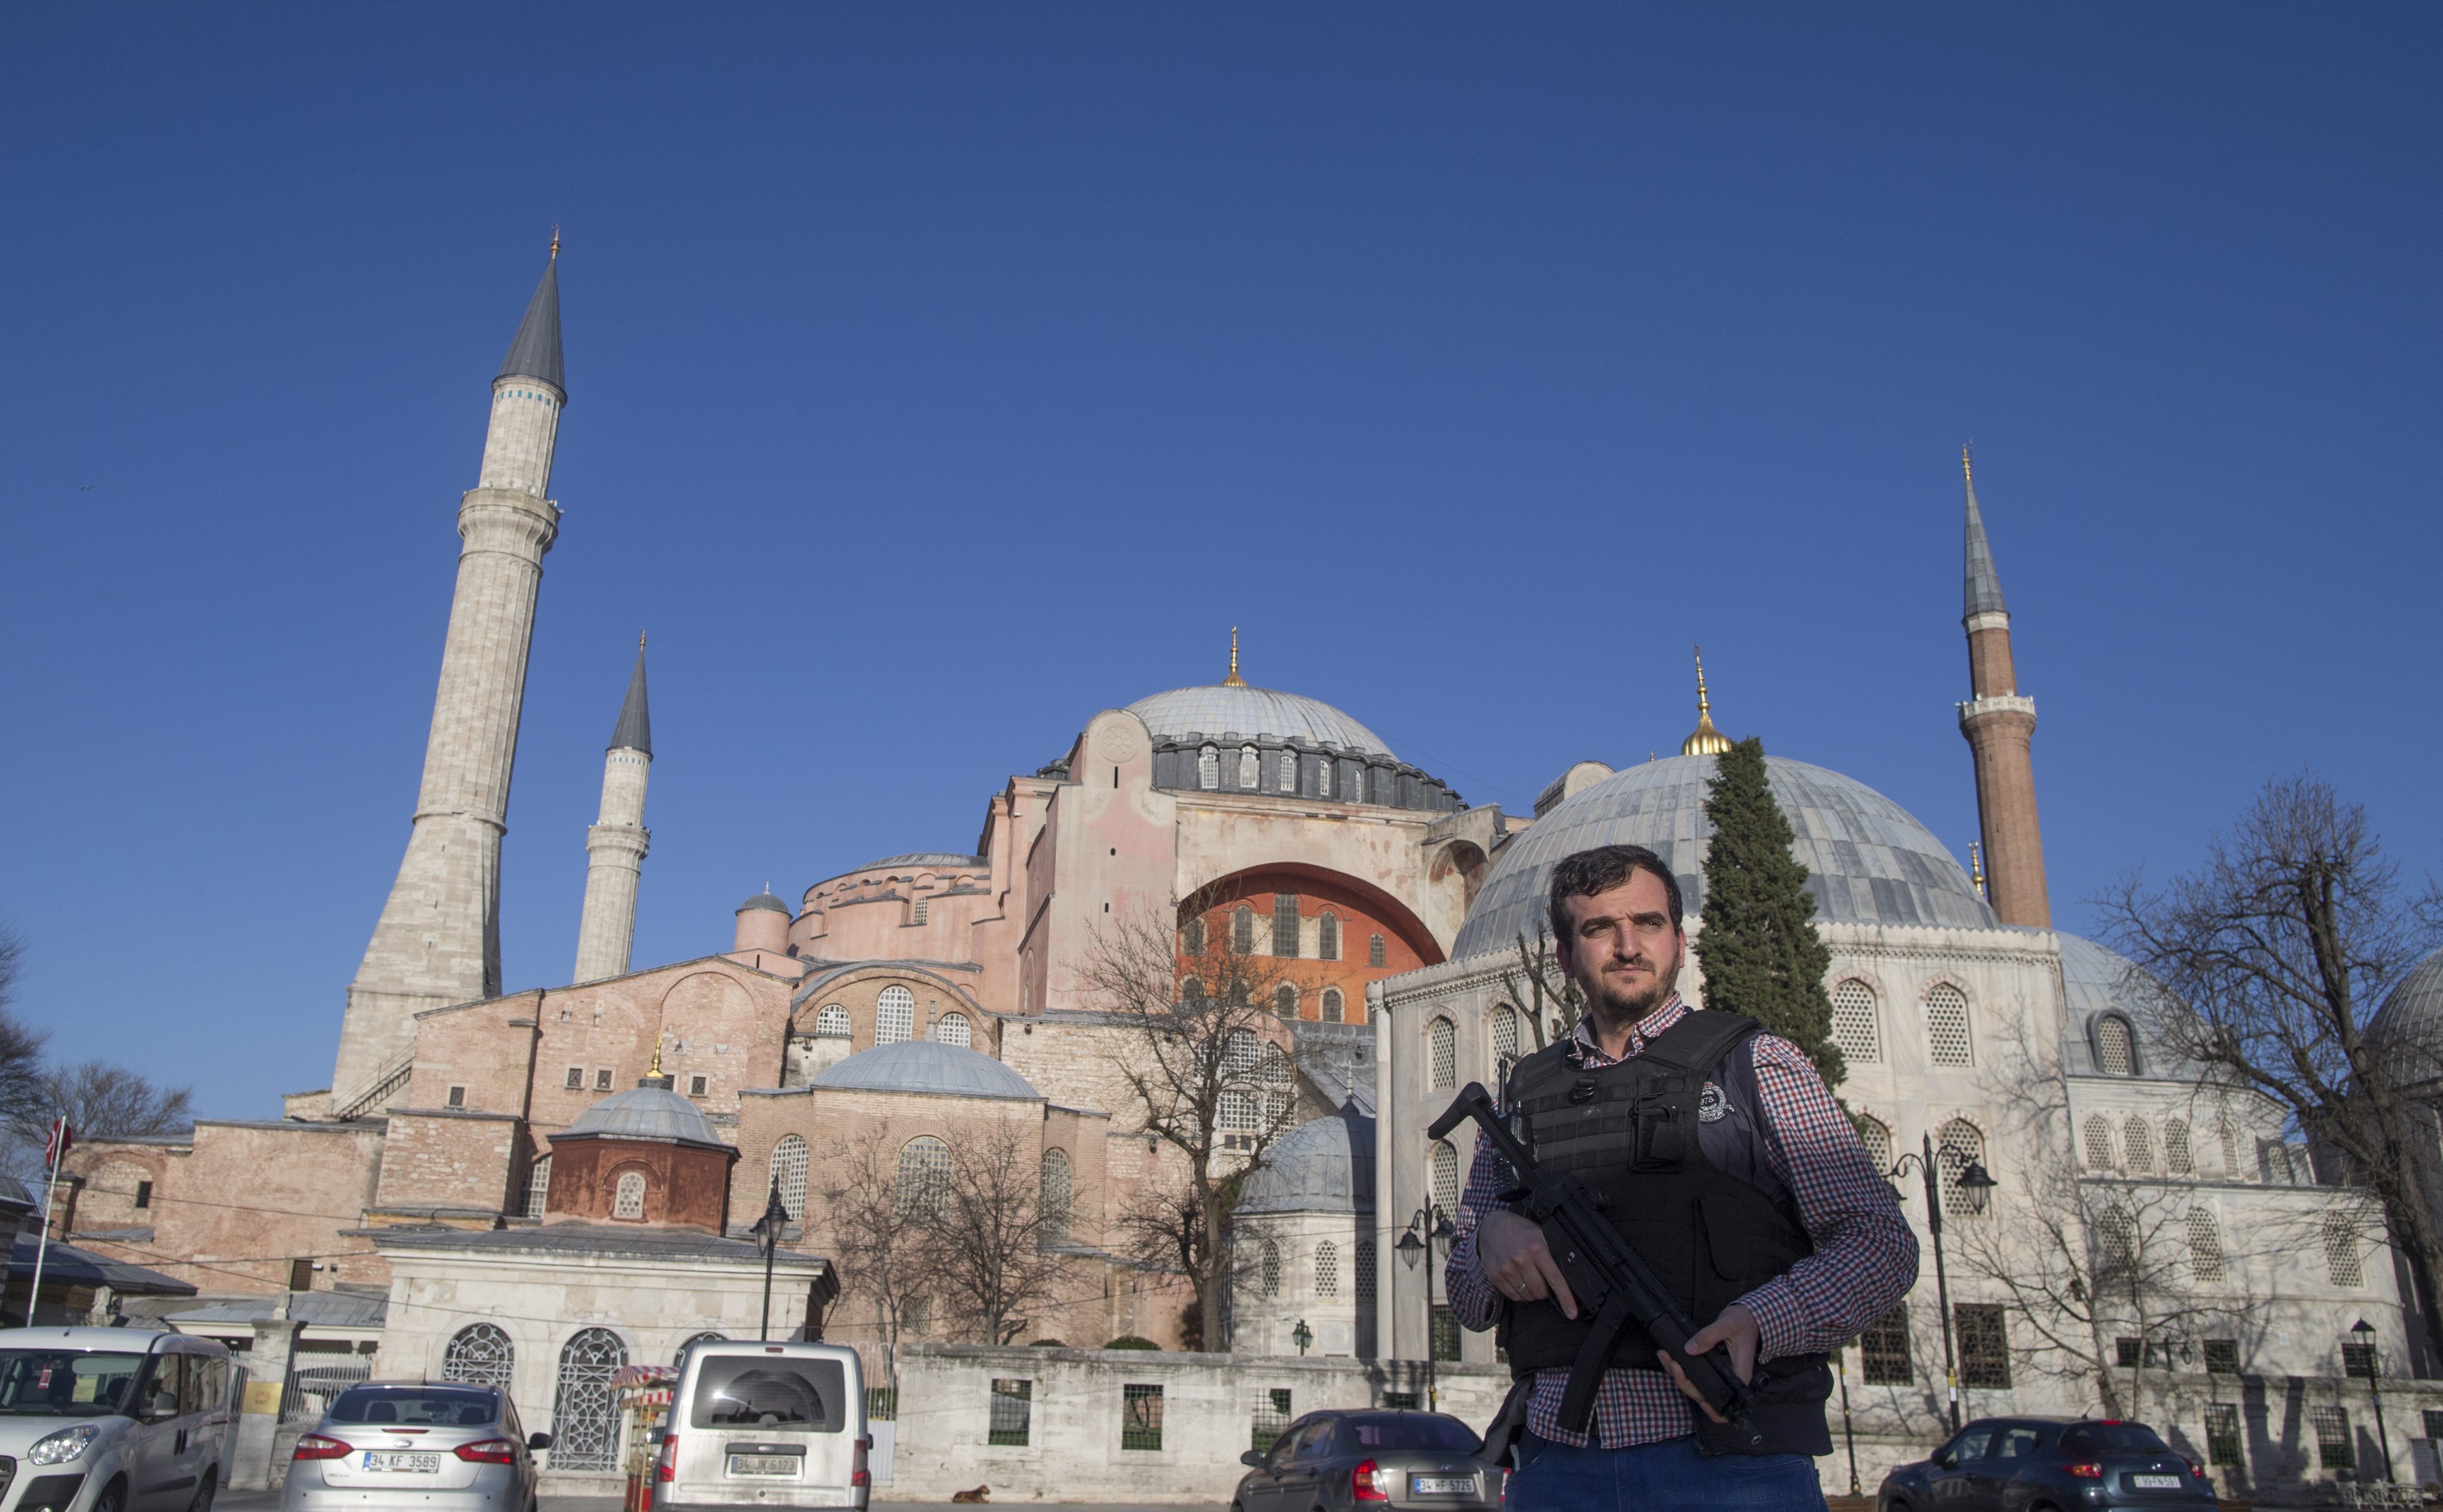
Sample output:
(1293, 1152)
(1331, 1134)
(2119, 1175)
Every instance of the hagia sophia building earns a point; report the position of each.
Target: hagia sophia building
(568, 1173)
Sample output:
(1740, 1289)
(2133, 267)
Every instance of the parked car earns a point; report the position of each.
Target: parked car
(431, 1446)
(1352, 1458)
(2047, 1464)
(114, 1419)
(763, 1425)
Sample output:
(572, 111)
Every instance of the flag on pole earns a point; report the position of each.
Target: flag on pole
(55, 1148)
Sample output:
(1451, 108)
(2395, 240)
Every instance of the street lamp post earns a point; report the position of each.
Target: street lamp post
(1841, 1363)
(1975, 1184)
(767, 1230)
(2365, 1331)
(1436, 1226)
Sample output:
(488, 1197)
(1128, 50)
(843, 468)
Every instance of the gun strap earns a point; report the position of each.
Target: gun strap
(1586, 1374)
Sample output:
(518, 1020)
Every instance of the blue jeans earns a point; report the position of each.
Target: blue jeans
(1665, 1477)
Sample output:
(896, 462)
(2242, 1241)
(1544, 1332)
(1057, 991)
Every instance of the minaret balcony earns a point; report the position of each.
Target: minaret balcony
(1974, 708)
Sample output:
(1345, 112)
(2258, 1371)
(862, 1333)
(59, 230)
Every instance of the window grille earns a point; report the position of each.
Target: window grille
(480, 1354)
(1446, 1176)
(920, 911)
(2357, 1360)
(2341, 1265)
(537, 1185)
(1191, 938)
(1446, 1334)
(1366, 1273)
(2273, 1163)
(1247, 768)
(831, 1022)
(699, 1085)
(894, 1016)
(1441, 1040)
(457, 1097)
(1013, 1404)
(2231, 1167)
(1242, 1057)
(2222, 1356)
(2333, 1447)
(1374, 953)
(2222, 1434)
(2178, 1159)
(2124, 1353)
(2112, 1047)
(1333, 1008)
(1984, 1345)
(1285, 1001)
(1884, 1350)
(1853, 1023)
(2116, 1235)
(1326, 936)
(1327, 1269)
(1208, 769)
(584, 1419)
(2139, 1146)
(2434, 1421)
(789, 1173)
(1957, 1147)
(629, 1198)
(143, 1194)
(575, 1078)
(916, 1315)
(1242, 930)
(1238, 1112)
(1401, 1401)
(1505, 1043)
(1269, 1272)
(603, 1081)
(1287, 780)
(1878, 1141)
(2205, 1246)
(1054, 1201)
(952, 1028)
(1946, 1026)
(924, 1177)
(1323, 778)
(1272, 1417)
(1285, 926)
(1140, 1417)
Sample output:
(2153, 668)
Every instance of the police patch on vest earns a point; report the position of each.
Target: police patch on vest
(1712, 1107)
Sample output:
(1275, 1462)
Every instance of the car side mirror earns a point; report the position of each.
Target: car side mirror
(542, 1441)
(1253, 1459)
(164, 1404)
(1948, 1459)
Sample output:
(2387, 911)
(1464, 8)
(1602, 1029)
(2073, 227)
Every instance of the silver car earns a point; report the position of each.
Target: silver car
(434, 1447)
(1346, 1459)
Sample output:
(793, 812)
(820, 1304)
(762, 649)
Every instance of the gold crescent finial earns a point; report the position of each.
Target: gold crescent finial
(1968, 464)
(1976, 867)
(1704, 740)
(554, 243)
(657, 1054)
(1234, 680)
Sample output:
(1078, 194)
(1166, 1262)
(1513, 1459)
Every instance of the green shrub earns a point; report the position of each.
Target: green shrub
(1131, 1341)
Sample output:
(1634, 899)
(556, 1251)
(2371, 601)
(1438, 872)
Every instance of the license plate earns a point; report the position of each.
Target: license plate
(763, 1464)
(410, 1463)
(2156, 1482)
(1442, 1485)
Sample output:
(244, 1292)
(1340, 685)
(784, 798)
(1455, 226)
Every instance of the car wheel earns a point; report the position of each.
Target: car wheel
(113, 1498)
(203, 1502)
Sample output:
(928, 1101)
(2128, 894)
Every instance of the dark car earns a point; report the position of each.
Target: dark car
(1398, 1459)
(2047, 1464)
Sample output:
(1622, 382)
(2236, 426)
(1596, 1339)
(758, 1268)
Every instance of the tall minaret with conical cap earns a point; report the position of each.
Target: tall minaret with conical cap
(615, 847)
(439, 938)
(1999, 725)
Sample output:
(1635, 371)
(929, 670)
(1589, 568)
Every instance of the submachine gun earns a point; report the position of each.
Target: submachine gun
(1610, 1282)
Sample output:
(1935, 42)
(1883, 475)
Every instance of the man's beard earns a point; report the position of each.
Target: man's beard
(1628, 1006)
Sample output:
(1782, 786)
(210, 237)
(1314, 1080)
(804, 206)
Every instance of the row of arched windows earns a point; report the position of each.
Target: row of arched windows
(2137, 1146)
(1270, 1270)
(1858, 1032)
(1958, 1144)
(894, 1021)
(585, 1426)
(1286, 939)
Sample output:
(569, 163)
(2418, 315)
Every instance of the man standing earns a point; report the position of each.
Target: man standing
(1722, 1157)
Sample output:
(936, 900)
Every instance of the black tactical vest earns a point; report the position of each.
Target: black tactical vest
(1671, 1143)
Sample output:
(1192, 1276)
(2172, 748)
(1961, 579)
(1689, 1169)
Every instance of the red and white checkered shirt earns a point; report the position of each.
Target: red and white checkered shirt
(1865, 1256)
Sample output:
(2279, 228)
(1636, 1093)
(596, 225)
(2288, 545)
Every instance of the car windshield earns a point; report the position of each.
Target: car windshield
(424, 1406)
(1410, 1431)
(65, 1382)
(2112, 1438)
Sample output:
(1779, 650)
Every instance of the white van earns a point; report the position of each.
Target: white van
(765, 1424)
(114, 1419)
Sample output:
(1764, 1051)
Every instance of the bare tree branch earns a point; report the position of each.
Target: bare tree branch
(987, 1241)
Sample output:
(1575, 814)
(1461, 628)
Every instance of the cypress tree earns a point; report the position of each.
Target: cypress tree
(1759, 949)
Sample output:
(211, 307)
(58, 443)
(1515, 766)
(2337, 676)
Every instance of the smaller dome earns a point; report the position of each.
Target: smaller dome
(1325, 1165)
(928, 1065)
(2412, 1010)
(766, 903)
(653, 1112)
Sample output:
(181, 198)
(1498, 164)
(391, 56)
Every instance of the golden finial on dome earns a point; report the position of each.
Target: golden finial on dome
(1968, 464)
(1234, 680)
(1976, 868)
(554, 243)
(1705, 740)
(657, 1054)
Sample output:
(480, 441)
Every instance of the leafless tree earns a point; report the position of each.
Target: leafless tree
(100, 1101)
(880, 1241)
(22, 1101)
(2269, 961)
(1543, 990)
(988, 1244)
(1194, 1040)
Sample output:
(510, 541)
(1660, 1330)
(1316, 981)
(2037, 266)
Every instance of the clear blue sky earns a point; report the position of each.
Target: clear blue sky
(942, 375)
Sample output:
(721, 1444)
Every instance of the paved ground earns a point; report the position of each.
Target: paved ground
(269, 1501)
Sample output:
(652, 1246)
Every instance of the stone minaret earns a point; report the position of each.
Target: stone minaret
(615, 847)
(1999, 723)
(439, 938)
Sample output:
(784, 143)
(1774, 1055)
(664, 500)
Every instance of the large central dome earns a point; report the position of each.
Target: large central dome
(1220, 708)
(1868, 860)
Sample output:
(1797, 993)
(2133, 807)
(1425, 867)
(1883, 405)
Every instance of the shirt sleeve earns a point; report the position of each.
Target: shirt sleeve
(1865, 1256)
(1472, 1302)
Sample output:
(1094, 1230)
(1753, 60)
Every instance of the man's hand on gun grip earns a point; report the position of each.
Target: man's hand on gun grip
(1511, 1253)
(1737, 1327)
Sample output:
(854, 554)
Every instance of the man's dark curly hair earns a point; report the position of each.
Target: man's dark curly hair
(1584, 873)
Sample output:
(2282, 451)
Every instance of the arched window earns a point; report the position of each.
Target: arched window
(1247, 768)
(1374, 953)
(1326, 936)
(1327, 1270)
(1287, 782)
(1946, 1026)
(924, 1177)
(1242, 930)
(2099, 1142)
(1272, 1269)
(952, 1028)
(1446, 1176)
(1333, 1006)
(480, 1354)
(584, 1420)
(538, 1186)
(1366, 1270)
(1285, 1001)
(629, 1197)
(916, 1315)
(2179, 1160)
(1208, 769)
(1192, 990)
(1323, 778)
(831, 1022)
(789, 1173)
(1285, 926)
(2140, 1144)
(1191, 939)
(1853, 1023)
(1054, 1201)
(2341, 1265)
(1243, 1057)
(2205, 1246)
(2116, 1238)
(1957, 1147)
(1442, 1055)
(2231, 1169)
(2115, 1050)
(894, 1015)
(1878, 1140)
(1505, 1044)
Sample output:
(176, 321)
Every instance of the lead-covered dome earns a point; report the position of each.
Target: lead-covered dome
(928, 1066)
(1219, 708)
(648, 1112)
(1868, 860)
(2409, 1017)
(1323, 1166)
